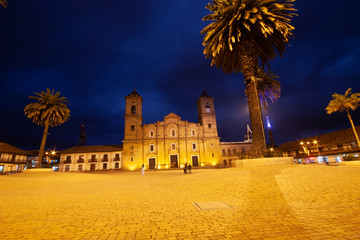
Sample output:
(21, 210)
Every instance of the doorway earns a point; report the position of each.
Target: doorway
(92, 167)
(195, 161)
(174, 161)
(151, 163)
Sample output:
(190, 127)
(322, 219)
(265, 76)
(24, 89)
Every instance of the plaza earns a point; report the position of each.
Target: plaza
(270, 202)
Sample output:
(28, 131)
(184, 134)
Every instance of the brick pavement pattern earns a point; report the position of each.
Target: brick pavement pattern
(273, 202)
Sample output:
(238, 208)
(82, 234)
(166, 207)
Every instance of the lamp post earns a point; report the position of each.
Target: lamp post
(317, 146)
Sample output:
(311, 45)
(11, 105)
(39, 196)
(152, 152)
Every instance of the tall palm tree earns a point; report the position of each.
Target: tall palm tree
(49, 109)
(269, 89)
(243, 32)
(345, 102)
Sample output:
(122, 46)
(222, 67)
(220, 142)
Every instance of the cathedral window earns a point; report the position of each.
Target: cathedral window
(151, 133)
(132, 128)
(207, 109)
(133, 109)
(194, 146)
(212, 154)
(173, 132)
(173, 146)
(209, 125)
(151, 148)
(193, 133)
(224, 152)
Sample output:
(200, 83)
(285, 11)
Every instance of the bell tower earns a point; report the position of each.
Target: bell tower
(133, 116)
(207, 116)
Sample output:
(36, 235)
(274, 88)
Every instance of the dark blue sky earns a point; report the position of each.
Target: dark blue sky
(96, 52)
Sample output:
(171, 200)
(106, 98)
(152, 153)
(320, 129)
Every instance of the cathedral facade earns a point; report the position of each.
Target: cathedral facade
(170, 143)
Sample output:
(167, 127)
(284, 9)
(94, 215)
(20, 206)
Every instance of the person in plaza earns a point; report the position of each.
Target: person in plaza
(185, 168)
(143, 169)
(189, 167)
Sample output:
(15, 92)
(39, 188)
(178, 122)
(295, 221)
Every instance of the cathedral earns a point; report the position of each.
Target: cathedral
(167, 144)
(173, 142)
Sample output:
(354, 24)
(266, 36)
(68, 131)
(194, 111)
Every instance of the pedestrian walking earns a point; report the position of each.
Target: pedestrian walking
(189, 167)
(185, 168)
(143, 169)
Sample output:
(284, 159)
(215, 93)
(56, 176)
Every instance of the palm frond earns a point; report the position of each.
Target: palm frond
(265, 23)
(3, 3)
(48, 106)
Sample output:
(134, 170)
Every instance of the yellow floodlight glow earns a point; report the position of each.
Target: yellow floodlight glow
(132, 167)
(159, 167)
(202, 164)
(301, 143)
(166, 166)
(213, 163)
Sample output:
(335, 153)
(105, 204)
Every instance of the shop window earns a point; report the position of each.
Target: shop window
(104, 165)
(80, 167)
(117, 165)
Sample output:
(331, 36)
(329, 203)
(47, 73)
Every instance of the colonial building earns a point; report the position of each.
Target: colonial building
(234, 151)
(91, 158)
(12, 159)
(330, 147)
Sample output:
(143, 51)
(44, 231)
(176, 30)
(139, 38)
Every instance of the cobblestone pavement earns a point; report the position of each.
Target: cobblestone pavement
(273, 202)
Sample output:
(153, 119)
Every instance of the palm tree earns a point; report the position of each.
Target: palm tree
(243, 32)
(269, 89)
(49, 109)
(3, 3)
(345, 102)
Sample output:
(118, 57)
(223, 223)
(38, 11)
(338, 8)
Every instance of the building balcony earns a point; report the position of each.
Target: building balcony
(92, 160)
(67, 161)
(104, 160)
(80, 161)
(116, 159)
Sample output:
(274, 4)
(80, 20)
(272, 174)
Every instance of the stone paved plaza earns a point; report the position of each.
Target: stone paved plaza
(274, 202)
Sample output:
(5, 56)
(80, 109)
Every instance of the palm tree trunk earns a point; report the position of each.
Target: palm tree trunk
(353, 127)
(258, 141)
(249, 66)
(42, 146)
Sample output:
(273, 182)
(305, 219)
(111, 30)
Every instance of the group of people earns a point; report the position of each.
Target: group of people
(187, 167)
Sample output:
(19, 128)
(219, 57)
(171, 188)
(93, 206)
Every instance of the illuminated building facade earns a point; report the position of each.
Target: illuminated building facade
(170, 143)
(330, 147)
(12, 159)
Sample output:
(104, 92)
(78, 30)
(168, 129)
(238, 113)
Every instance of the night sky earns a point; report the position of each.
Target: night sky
(97, 52)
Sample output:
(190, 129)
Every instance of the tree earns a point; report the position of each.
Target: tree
(243, 32)
(345, 102)
(3, 3)
(269, 89)
(49, 109)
